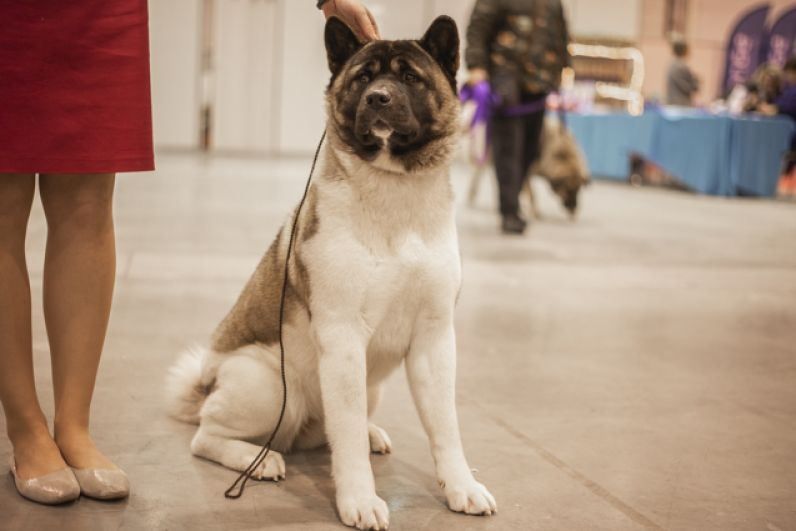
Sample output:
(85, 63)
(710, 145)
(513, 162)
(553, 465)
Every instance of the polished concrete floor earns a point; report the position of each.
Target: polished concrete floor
(635, 369)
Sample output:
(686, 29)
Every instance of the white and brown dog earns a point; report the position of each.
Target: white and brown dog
(372, 283)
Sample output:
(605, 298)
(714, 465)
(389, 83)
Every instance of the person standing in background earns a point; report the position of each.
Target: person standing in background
(785, 101)
(520, 47)
(681, 83)
(785, 105)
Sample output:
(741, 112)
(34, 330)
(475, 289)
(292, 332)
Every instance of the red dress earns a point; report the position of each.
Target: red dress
(74, 86)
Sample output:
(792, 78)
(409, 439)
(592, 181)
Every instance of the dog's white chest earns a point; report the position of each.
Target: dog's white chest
(404, 289)
(387, 251)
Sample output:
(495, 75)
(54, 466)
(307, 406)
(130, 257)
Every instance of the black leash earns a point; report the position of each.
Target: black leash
(246, 475)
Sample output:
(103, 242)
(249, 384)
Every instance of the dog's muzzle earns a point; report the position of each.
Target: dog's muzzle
(382, 115)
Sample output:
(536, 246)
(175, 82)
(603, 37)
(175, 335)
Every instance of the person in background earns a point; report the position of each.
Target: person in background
(520, 47)
(764, 87)
(681, 83)
(785, 105)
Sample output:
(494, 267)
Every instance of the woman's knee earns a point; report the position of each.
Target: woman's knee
(84, 202)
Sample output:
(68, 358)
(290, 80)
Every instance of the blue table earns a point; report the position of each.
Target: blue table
(711, 154)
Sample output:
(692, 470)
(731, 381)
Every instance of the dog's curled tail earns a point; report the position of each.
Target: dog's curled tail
(185, 390)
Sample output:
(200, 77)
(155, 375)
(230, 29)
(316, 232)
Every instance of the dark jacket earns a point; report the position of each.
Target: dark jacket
(522, 40)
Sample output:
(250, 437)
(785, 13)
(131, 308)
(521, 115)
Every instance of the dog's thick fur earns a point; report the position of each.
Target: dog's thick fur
(562, 164)
(372, 283)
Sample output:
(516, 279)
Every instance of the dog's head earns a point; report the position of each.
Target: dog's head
(395, 98)
(564, 165)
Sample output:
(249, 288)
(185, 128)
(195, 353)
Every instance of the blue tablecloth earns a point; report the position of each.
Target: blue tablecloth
(718, 155)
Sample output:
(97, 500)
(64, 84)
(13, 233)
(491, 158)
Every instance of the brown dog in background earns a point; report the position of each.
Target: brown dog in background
(562, 164)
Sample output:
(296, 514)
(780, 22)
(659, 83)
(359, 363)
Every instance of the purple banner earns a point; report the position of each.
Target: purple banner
(744, 47)
(781, 38)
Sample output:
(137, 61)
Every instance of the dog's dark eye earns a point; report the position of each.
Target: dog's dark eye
(364, 77)
(409, 77)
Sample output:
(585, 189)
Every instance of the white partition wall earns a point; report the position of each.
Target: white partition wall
(174, 29)
(269, 63)
(400, 20)
(244, 87)
(302, 77)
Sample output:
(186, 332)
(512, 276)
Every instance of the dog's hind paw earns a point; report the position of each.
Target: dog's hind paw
(379, 440)
(364, 512)
(272, 467)
(470, 498)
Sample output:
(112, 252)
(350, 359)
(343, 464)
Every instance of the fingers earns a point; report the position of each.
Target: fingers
(366, 25)
(357, 16)
(373, 23)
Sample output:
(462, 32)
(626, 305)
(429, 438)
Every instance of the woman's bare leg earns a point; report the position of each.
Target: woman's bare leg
(35, 452)
(79, 274)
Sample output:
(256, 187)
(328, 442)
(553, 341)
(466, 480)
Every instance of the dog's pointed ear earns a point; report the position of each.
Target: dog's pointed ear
(341, 44)
(441, 41)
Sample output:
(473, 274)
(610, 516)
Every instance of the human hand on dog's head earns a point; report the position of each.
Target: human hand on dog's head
(356, 15)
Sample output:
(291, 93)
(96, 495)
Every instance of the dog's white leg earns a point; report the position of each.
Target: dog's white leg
(379, 440)
(431, 369)
(237, 455)
(344, 393)
(243, 407)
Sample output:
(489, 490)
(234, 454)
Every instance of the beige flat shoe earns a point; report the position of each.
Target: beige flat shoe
(102, 484)
(52, 489)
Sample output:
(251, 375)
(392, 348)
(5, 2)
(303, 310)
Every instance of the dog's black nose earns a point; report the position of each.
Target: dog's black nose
(378, 98)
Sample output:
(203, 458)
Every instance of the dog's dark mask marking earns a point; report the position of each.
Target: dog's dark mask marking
(398, 93)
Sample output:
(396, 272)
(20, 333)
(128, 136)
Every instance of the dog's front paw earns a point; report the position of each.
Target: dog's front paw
(363, 511)
(272, 467)
(379, 440)
(470, 497)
